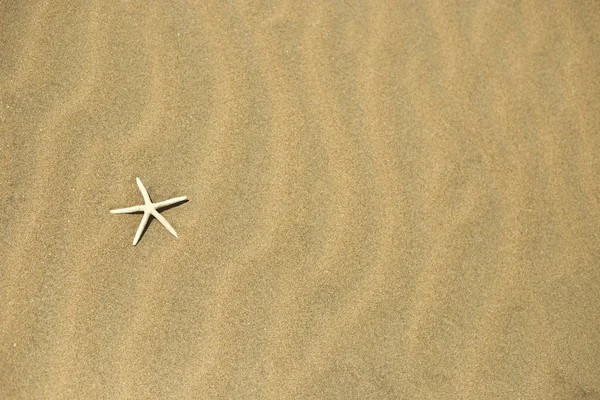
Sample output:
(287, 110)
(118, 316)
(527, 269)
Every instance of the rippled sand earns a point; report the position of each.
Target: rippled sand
(388, 200)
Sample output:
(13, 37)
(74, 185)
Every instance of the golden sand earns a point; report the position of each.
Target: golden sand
(388, 200)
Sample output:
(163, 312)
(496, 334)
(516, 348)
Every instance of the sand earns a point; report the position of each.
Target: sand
(388, 200)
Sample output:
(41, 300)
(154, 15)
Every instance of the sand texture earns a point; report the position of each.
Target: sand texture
(387, 199)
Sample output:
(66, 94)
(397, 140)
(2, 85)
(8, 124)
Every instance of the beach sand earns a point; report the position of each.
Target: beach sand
(388, 200)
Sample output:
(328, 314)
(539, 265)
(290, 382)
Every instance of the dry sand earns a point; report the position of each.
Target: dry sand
(388, 200)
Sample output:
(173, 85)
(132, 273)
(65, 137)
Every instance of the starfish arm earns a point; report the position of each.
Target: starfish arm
(163, 221)
(127, 210)
(166, 203)
(138, 234)
(143, 190)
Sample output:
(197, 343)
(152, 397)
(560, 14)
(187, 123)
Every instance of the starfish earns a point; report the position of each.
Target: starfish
(149, 208)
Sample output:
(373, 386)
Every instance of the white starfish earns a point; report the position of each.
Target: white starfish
(149, 208)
